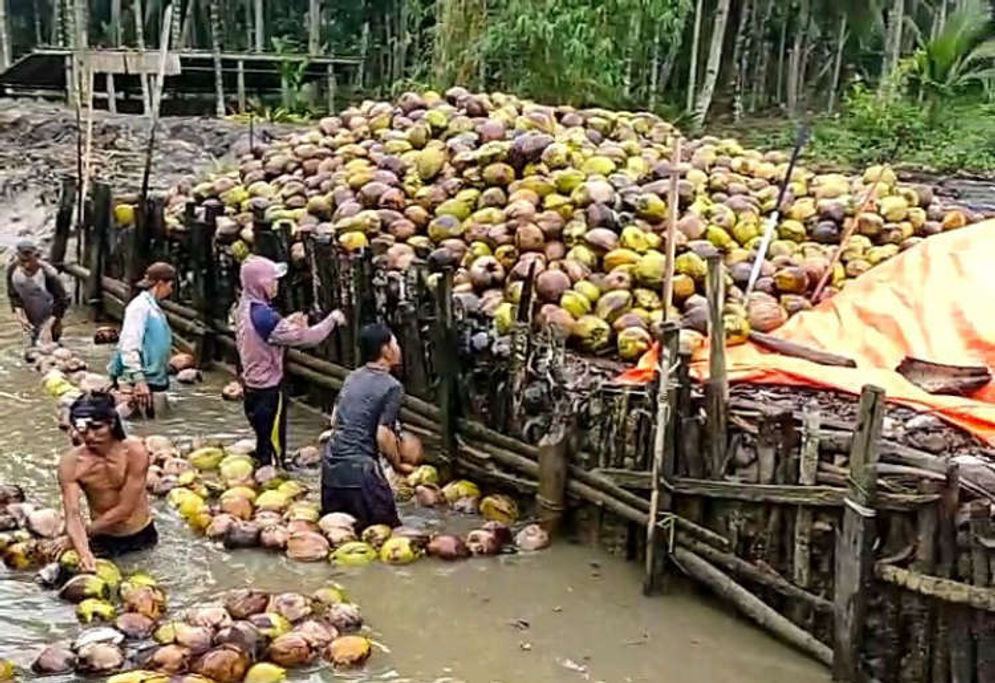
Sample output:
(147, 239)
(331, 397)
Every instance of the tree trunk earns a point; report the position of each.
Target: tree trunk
(116, 42)
(838, 66)
(177, 25)
(758, 49)
(140, 43)
(779, 95)
(314, 26)
(893, 44)
(186, 32)
(795, 75)
(364, 46)
(260, 27)
(5, 51)
(695, 49)
(655, 67)
(219, 88)
(36, 10)
(704, 101)
(667, 70)
(741, 58)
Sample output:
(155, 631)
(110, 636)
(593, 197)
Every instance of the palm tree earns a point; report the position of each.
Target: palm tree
(4, 37)
(219, 89)
(961, 55)
(693, 69)
(714, 63)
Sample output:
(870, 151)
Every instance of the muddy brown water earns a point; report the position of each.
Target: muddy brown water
(571, 613)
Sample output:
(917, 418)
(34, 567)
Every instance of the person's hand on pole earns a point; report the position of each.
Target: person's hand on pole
(338, 316)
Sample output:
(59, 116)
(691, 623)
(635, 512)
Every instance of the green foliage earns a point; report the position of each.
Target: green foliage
(892, 129)
(960, 57)
(572, 51)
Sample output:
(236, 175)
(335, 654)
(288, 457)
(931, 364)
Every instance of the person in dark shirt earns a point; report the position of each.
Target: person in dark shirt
(37, 296)
(365, 425)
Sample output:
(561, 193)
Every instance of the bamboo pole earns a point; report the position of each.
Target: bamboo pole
(157, 99)
(654, 551)
(140, 42)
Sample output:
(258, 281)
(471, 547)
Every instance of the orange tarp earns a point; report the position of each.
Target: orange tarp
(934, 302)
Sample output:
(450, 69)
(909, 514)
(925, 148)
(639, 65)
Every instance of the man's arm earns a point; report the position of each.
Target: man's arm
(75, 528)
(15, 299)
(131, 493)
(289, 332)
(387, 438)
(58, 291)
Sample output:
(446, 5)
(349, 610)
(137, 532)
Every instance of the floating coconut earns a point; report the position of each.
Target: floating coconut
(292, 606)
(290, 650)
(53, 660)
(224, 664)
(532, 537)
(344, 616)
(99, 659)
(348, 651)
(448, 547)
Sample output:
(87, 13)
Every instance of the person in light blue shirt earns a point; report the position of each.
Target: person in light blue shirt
(145, 344)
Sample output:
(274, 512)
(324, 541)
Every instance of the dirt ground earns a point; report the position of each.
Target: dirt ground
(39, 147)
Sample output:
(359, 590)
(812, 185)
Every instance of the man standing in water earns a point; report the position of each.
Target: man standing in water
(262, 336)
(142, 355)
(36, 294)
(110, 470)
(365, 422)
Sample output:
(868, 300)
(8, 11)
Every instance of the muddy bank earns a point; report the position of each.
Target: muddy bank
(39, 147)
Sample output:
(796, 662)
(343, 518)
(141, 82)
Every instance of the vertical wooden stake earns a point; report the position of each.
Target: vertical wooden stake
(984, 627)
(97, 248)
(664, 463)
(553, 463)
(855, 544)
(63, 223)
(415, 375)
(240, 86)
(330, 87)
(447, 364)
(717, 386)
(807, 467)
(947, 542)
(921, 611)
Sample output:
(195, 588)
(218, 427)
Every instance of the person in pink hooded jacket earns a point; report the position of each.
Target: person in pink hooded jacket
(262, 336)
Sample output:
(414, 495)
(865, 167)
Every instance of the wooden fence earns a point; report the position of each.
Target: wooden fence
(872, 556)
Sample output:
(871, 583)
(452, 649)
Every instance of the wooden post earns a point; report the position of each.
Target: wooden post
(138, 245)
(553, 463)
(945, 649)
(446, 364)
(330, 87)
(240, 85)
(63, 223)
(717, 387)
(807, 468)
(201, 243)
(984, 627)
(326, 264)
(97, 247)
(664, 464)
(920, 611)
(415, 375)
(855, 544)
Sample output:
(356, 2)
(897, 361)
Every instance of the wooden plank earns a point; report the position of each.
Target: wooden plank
(131, 62)
(789, 348)
(855, 544)
(63, 223)
(788, 494)
(947, 590)
(808, 465)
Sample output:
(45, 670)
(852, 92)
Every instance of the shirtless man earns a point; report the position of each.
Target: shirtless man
(110, 470)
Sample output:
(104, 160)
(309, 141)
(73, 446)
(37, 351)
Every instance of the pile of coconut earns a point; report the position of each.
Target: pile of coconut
(219, 491)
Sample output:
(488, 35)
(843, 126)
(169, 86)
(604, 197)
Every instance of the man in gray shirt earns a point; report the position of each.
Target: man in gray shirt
(36, 293)
(365, 424)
